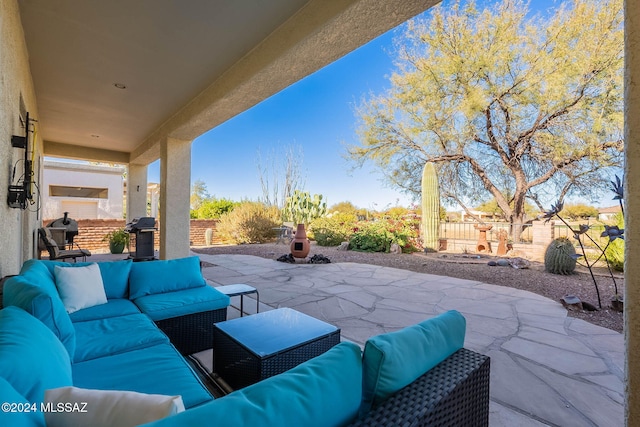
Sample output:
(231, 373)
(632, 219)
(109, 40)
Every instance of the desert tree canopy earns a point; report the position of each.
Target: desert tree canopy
(509, 104)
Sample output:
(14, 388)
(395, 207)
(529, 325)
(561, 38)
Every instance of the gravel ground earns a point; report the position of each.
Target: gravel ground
(533, 279)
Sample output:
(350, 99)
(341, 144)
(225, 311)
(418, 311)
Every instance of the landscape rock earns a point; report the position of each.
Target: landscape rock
(287, 258)
(571, 302)
(503, 263)
(319, 259)
(519, 263)
(395, 249)
(344, 246)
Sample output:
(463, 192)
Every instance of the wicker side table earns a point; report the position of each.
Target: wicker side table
(249, 349)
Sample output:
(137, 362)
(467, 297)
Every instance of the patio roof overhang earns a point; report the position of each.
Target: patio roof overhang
(115, 78)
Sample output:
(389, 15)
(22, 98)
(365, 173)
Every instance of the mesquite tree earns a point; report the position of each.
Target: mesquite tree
(511, 106)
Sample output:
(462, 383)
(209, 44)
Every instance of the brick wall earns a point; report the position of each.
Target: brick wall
(197, 231)
(92, 231)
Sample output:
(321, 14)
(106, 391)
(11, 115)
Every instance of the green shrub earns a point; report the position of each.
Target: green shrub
(213, 209)
(370, 238)
(331, 231)
(249, 222)
(377, 236)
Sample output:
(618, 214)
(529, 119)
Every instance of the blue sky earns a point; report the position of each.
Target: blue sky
(317, 114)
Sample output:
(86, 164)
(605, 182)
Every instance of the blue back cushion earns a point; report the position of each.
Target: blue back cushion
(156, 277)
(394, 360)
(115, 275)
(322, 392)
(37, 294)
(32, 359)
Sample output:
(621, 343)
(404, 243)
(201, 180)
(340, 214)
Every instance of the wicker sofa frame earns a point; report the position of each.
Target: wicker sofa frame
(192, 333)
(453, 393)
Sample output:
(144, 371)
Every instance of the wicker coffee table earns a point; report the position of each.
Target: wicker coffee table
(252, 348)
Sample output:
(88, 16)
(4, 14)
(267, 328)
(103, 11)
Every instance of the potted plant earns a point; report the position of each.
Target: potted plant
(118, 239)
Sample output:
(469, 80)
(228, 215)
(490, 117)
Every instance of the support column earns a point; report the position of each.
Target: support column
(632, 205)
(136, 191)
(175, 192)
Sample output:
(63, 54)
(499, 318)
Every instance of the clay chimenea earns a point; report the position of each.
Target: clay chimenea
(300, 245)
(483, 244)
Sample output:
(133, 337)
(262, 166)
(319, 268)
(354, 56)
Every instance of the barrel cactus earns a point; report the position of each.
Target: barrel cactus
(430, 225)
(560, 257)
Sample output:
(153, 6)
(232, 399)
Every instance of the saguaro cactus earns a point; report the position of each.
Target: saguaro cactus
(430, 226)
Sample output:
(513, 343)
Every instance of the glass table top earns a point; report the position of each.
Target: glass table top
(274, 331)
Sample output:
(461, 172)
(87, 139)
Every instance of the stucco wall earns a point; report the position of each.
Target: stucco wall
(16, 225)
(83, 175)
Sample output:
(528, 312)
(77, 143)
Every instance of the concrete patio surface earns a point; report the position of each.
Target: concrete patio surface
(546, 368)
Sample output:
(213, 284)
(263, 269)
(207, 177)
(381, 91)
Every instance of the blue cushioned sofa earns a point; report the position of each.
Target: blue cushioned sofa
(172, 294)
(419, 375)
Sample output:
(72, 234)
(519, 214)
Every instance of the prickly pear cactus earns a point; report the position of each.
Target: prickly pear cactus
(430, 226)
(559, 257)
(302, 208)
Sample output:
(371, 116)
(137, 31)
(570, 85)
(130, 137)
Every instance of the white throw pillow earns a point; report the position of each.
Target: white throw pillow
(80, 287)
(72, 406)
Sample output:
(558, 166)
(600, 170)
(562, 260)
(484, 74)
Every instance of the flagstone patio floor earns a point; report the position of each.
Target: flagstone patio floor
(546, 368)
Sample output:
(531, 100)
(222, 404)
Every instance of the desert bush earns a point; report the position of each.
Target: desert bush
(249, 222)
(331, 231)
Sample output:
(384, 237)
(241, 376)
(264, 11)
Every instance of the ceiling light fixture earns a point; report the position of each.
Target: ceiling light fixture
(120, 85)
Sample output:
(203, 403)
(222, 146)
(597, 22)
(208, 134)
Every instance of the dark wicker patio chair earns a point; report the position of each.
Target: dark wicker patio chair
(55, 253)
(453, 393)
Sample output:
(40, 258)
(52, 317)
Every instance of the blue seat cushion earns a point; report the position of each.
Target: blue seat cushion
(156, 277)
(322, 392)
(179, 303)
(159, 369)
(8, 394)
(394, 360)
(115, 275)
(113, 308)
(32, 359)
(113, 335)
(38, 296)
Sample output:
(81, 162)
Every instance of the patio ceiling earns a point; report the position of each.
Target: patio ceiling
(185, 66)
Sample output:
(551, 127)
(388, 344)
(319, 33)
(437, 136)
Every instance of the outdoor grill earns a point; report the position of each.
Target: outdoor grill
(141, 237)
(70, 226)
